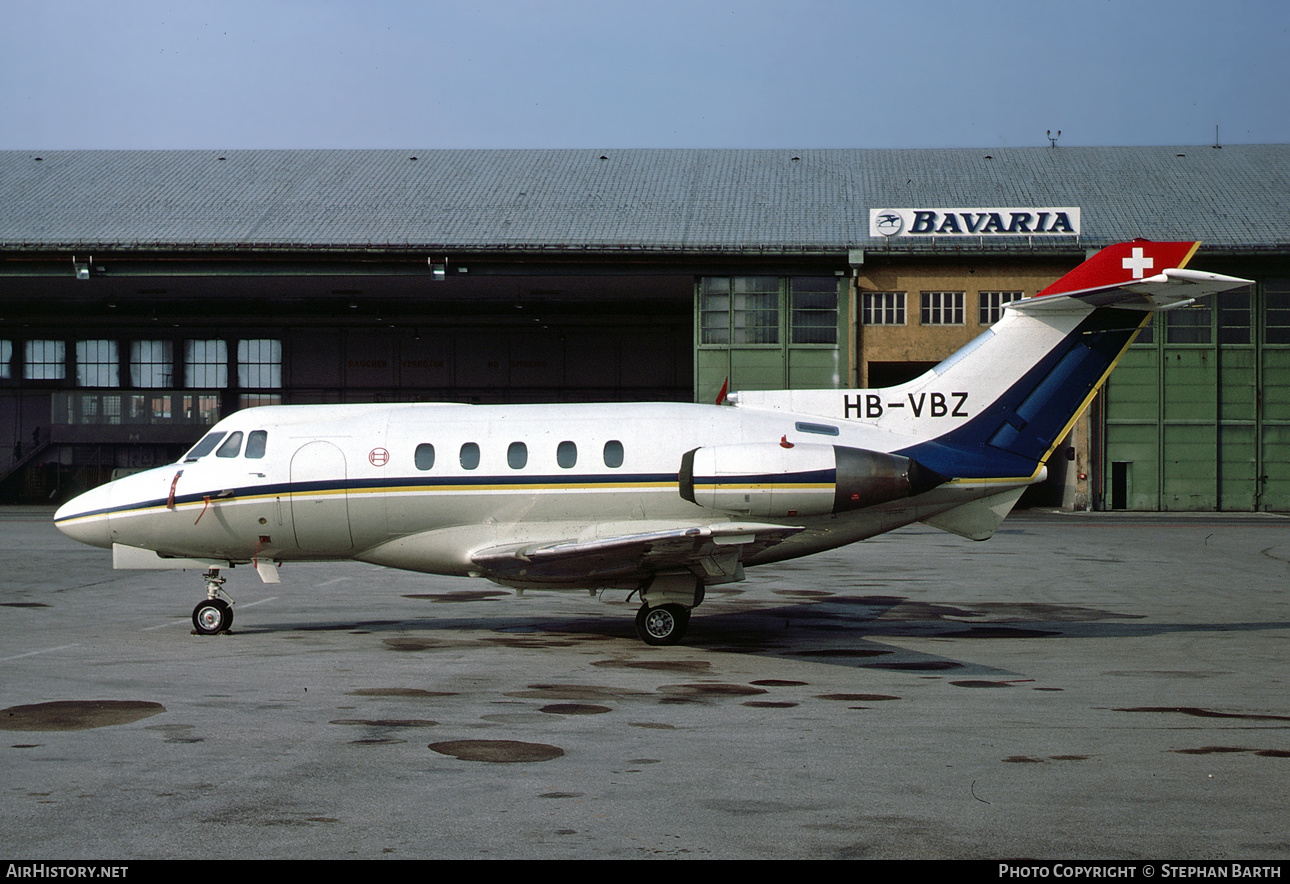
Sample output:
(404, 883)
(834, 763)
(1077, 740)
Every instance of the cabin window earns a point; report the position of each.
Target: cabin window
(469, 456)
(566, 455)
(255, 443)
(613, 454)
(232, 445)
(424, 456)
(517, 455)
(204, 447)
(6, 357)
(818, 429)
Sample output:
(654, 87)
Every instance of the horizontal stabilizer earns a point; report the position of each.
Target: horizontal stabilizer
(710, 550)
(1139, 275)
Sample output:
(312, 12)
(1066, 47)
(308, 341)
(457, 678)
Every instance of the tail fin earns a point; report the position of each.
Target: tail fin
(998, 407)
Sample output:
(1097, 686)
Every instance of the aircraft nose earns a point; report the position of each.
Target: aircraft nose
(86, 518)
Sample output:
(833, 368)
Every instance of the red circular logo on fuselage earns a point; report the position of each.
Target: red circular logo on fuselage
(378, 457)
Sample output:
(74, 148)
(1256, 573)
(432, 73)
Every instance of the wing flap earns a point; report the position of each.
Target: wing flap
(703, 549)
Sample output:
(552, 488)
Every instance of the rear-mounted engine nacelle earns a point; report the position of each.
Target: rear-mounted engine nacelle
(768, 479)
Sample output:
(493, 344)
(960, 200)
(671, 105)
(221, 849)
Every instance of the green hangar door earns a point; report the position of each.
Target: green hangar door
(1197, 415)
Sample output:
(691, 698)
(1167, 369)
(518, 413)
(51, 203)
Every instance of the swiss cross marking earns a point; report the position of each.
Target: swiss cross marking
(1139, 263)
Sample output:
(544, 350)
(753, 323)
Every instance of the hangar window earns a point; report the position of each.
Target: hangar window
(882, 308)
(739, 309)
(815, 309)
(1234, 316)
(6, 357)
(256, 443)
(517, 455)
(942, 308)
(1277, 319)
(45, 361)
(469, 456)
(566, 455)
(424, 456)
(206, 364)
(613, 454)
(97, 364)
(232, 445)
(991, 306)
(259, 363)
(152, 364)
(1188, 325)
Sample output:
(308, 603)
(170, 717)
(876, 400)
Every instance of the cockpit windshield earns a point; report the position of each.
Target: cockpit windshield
(204, 447)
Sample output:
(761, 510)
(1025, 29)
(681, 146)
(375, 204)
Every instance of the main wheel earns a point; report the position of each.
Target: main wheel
(664, 625)
(212, 616)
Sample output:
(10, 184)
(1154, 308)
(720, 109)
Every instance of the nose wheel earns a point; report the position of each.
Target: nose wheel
(663, 625)
(214, 615)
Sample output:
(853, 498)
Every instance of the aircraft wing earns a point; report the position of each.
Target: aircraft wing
(712, 551)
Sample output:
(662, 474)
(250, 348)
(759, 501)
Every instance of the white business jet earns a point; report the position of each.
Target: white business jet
(662, 500)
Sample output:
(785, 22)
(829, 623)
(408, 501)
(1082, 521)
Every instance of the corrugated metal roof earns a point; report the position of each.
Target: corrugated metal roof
(1234, 198)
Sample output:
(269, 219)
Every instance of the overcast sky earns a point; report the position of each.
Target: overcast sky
(235, 74)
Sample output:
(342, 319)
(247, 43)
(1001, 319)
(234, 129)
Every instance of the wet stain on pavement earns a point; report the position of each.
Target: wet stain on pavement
(974, 683)
(657, 665)
(1003, 632)
(1219, 750)
(841, 652)
(573, 692)
(176, 733)
(770, 704)
(779, 683)
(412, 693)
(498, 751)
(411, 644)
(856, 698)
(479, 595)
(1206, 713)
(76, 715)
(23, 605)
(387, 722)
(703, 689)
(575, 709)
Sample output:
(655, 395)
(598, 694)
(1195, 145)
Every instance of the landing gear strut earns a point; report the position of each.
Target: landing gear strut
(666, 601)
(213, 615)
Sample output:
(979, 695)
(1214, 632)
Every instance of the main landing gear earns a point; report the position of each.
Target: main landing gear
(664, 625)
(213, 615)
(666, 601)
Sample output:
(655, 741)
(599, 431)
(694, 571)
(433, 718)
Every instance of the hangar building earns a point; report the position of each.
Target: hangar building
(144, 294)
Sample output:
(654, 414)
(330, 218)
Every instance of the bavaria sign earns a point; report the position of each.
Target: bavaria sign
(1009, 221)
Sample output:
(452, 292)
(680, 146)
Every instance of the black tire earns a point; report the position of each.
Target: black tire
(212, 616)
(664, 625)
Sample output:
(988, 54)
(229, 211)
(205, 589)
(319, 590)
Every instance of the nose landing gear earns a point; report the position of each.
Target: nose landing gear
(214, 615)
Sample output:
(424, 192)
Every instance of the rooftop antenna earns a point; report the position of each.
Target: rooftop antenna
(1052, 139)
(1217, 145)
